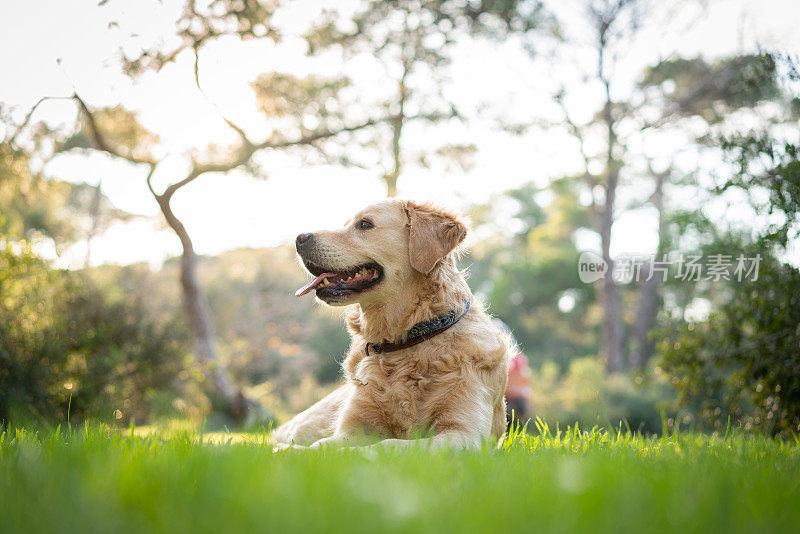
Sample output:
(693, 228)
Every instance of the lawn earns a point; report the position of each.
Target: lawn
(99, 480)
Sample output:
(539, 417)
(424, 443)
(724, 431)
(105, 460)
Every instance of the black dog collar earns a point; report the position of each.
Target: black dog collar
(420, 332)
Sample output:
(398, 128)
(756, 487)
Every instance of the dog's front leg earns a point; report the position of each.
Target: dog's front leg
(317, 422)
(349, 432)
(465, 426)
(451, 439)
(349, 429)
(340, 440)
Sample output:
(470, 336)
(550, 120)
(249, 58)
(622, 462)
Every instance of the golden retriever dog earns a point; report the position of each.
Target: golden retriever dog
(394, 264)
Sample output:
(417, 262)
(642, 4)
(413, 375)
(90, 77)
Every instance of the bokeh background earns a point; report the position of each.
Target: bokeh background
(159, 157)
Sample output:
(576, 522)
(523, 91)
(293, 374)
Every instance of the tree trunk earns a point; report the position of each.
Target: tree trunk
(231, 399)
(397, 132)
(611, 350)
(645, 321)
(648, 301)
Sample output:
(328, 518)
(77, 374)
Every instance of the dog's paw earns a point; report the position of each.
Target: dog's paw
(331, 441)
(281, 447)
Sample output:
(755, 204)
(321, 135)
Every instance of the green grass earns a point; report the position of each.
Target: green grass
(102, 480)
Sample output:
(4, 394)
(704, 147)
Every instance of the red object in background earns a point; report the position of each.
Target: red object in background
(518, 390)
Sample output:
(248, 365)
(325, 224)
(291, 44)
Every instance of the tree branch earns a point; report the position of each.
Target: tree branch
(247, 151)
(99, 139)
(578, 134)
(27, 119)
(149, 181)
(239, 130)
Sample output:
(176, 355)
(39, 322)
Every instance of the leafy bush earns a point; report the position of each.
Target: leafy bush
(66, 347)
(586, 395)
(744, 361)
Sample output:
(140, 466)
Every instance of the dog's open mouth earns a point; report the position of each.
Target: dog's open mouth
(329, 283)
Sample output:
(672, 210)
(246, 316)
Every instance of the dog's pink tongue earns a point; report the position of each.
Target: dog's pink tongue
(312, 284)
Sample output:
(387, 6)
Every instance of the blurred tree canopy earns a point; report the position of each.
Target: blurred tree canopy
(64, 344)
(690, 87)
(412, 41)
(203, 22)
(30, 203)
(743, 362)
(530, 278)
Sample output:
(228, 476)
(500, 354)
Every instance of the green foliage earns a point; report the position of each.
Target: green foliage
(29, 204)
(328, 337)
(586, 395)
(120, 127)
(65, 347)
(692, 233)
(279, 348)
(744, 361)
(550, 480)
(281, 95)
(526, 274)
(33, 206)
(713, 90)
(202, 22)
(269, 333)
(265, 333)
(422, 28)
(764, 162)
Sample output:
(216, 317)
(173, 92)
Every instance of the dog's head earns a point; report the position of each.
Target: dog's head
(381, 250)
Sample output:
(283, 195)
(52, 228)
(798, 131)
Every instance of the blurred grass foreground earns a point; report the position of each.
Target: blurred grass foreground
(99, 479)
(148, 208)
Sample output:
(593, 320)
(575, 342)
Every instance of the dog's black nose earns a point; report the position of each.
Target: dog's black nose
(303, 240)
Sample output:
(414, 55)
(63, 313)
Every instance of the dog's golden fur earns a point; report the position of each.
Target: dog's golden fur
(449, 387)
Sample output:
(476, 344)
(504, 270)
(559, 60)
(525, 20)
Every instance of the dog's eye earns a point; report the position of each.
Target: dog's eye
(364, 224)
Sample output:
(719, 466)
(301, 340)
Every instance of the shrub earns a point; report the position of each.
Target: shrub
(744, 361)
(65, 346)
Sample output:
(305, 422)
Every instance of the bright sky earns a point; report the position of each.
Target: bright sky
(223, 212)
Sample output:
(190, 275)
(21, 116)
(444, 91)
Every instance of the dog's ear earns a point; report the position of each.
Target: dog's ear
(432, 235)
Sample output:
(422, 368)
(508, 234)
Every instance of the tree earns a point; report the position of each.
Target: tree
(612, 22)
(35, 206)
(411, 40)
(667, 98)
(290, 105)
(673, 91)
(649, 303)
(29, 202)
(610, 26)
(67, 349)
(525, 273)
(742, 361)
(69, 352)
